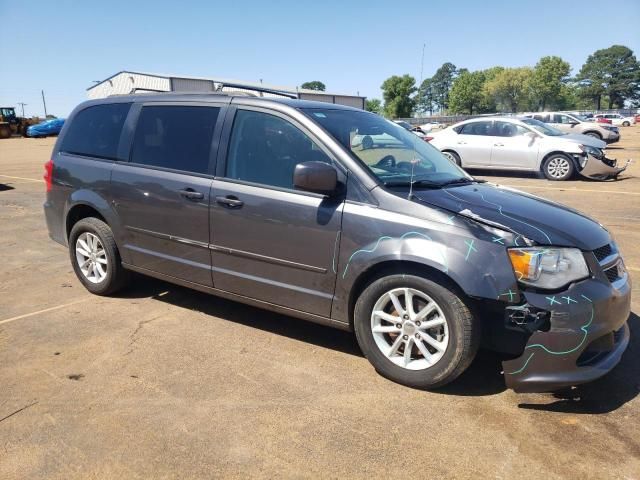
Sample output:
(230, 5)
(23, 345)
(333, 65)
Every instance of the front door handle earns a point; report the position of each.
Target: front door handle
(230, 201)
(191, 194)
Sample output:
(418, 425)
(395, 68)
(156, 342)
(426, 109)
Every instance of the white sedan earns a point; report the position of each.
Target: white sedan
(617, 119)
(524, 144)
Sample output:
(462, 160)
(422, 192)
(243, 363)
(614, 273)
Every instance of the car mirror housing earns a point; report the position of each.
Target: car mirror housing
(317, 177)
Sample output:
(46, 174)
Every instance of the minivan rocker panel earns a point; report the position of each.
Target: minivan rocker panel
(420, 265)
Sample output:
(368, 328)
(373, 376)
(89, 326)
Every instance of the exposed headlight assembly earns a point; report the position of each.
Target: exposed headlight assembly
(595, 152)
(548, 267)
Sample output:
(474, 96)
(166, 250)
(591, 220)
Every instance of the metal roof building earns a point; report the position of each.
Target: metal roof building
(126, 82)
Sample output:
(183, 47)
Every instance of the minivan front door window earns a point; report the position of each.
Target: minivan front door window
(265, 149)
(393, 154)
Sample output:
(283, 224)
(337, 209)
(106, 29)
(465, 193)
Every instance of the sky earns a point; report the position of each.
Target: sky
(62, 46)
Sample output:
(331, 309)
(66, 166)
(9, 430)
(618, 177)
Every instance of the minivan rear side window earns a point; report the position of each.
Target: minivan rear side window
(175, 136)
(95, 131)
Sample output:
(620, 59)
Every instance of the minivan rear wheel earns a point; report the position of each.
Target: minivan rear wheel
(414, 331)
(558, 167)
(95, 257)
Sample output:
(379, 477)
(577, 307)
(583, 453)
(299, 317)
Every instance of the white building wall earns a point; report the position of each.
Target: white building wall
(125, 82)
(191, 85)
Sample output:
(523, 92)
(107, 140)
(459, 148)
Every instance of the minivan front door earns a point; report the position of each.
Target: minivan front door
(162, 195)
(270, 242)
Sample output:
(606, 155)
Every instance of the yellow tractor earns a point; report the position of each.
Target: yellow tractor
(10, 124)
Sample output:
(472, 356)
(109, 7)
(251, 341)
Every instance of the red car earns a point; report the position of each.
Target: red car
(638, 118)
(602, 120)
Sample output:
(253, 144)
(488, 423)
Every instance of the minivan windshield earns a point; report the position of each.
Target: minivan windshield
(394, 155)
(542, 127)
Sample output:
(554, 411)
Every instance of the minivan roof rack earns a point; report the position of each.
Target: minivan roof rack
(256, 89)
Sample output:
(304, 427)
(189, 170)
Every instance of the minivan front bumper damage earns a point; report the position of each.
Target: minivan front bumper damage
(584, 339)
(601, 168)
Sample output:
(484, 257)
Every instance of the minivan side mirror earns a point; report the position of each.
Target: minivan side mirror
(317, 177)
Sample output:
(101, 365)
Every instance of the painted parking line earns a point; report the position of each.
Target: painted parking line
(22, 178)
(569, 189)
(51, 309)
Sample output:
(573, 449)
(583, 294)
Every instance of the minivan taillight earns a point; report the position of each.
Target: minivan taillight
(428, 139)
(48, 174)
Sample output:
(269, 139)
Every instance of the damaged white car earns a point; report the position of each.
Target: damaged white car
(499, 143)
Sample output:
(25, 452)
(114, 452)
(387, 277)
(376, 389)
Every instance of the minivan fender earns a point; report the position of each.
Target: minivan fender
(478, 267)
(93, 200)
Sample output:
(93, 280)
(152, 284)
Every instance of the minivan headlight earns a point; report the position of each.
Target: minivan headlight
(548, 267)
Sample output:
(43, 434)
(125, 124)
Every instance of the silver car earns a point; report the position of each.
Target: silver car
(509, 143)
(576, 124)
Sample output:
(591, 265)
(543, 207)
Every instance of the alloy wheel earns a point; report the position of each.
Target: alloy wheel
(409, 328)
(91, 257)
(558, 167)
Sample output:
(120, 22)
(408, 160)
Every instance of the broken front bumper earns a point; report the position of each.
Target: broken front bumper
(600, 168)
(584, 339)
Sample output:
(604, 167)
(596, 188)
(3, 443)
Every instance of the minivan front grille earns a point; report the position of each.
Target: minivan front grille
(612, 273)
(603, 252)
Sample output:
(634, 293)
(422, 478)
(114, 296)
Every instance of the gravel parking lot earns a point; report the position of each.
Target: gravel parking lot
(164, 382)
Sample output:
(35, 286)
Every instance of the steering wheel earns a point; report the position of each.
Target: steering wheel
(388, 161)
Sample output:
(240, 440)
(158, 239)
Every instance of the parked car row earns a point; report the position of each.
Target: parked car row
(509, 143)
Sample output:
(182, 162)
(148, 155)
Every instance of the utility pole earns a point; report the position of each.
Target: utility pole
(22, 104)
(422, 64)
(45, 104)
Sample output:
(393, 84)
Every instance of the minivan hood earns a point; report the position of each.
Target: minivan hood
(585, 140)
(545, 222)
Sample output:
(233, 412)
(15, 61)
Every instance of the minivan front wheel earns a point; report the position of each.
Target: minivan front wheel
(95, 257)
(558, 167)
(415, 331)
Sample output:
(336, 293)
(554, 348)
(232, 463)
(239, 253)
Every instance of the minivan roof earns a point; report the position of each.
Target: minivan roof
(204, 96)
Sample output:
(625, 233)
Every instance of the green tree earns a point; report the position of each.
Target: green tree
(511, 88)
(397, 93)
(373, 105)
(467, 94)
(549, 75)
(442, 82)
(314, 85)
(613, 72)
(425, 98)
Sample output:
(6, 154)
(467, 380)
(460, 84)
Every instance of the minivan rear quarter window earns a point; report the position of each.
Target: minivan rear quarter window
(95, 131)
(175, 137)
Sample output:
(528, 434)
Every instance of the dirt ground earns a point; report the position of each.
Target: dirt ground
(164, 382)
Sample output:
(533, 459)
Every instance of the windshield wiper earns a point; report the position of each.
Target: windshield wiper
(415, 183)
(462, 180)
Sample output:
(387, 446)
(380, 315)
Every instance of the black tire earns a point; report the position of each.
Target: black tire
(463, 333)
(594, 135)
(367, 142)
(5, 131)
(558, 167)
(626, 124)
(116, 276)
(454, 157)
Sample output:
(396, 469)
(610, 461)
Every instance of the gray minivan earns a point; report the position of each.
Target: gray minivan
(271, 202)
